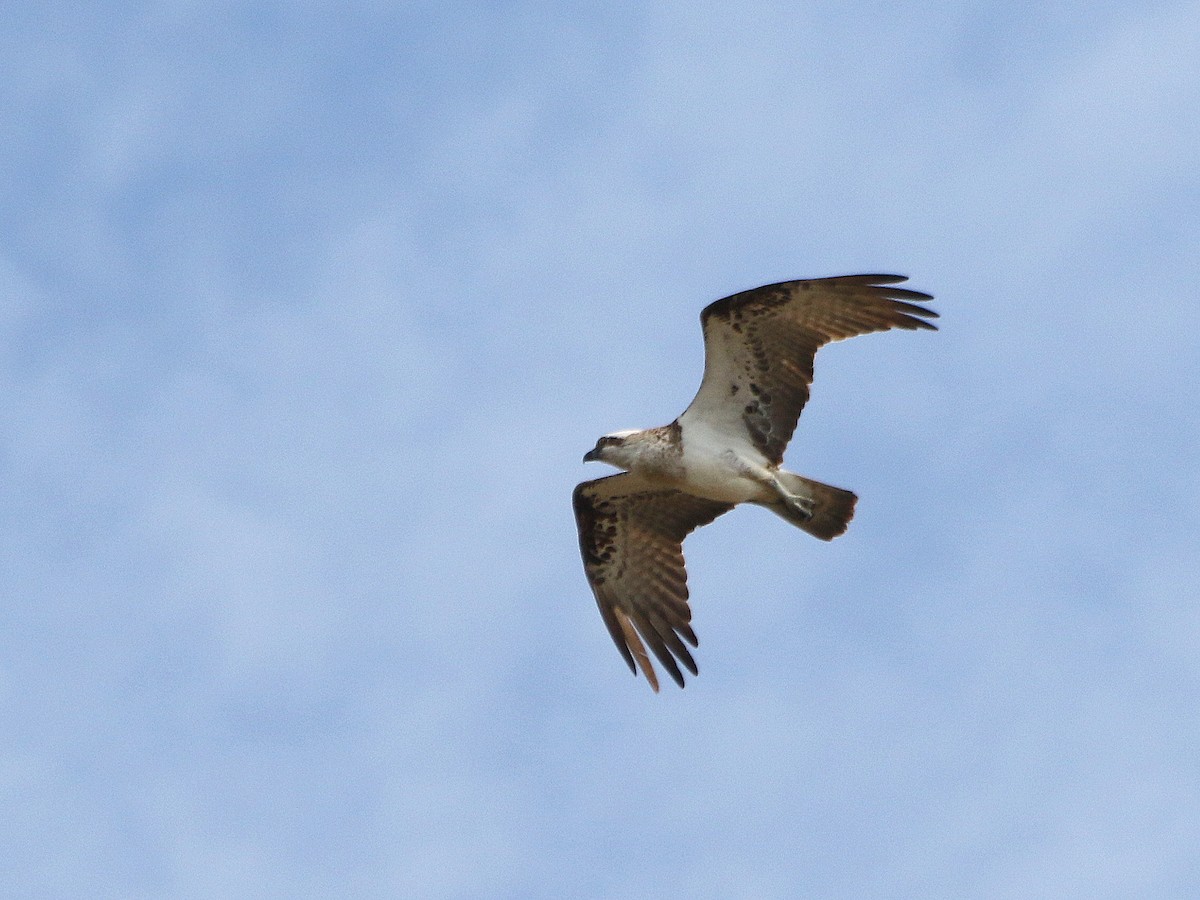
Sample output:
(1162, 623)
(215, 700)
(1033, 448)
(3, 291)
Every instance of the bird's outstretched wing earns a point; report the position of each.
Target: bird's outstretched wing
(631, 537)
(759, 347)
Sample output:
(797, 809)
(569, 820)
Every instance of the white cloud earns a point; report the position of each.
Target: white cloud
(300, 360)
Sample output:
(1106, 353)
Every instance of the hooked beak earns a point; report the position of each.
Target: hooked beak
(590, 456)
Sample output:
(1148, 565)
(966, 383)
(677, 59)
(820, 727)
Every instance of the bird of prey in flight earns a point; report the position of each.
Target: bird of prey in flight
(725, 449)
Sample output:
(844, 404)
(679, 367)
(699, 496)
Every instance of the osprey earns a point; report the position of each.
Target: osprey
(725, 449)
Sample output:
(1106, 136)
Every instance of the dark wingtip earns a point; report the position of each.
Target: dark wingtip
(882, 281)
(865, 278)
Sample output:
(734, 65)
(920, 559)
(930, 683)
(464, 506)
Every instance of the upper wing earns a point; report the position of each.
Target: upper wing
(759, 347)
(631, 538)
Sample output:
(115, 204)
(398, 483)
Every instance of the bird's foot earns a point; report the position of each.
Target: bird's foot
(802, 507)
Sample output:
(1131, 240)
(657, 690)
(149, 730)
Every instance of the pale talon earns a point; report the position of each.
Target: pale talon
(801, 506)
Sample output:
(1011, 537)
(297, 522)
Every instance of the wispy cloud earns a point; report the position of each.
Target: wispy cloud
(307, 318)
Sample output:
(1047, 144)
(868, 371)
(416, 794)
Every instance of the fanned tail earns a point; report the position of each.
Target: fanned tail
(833, 508)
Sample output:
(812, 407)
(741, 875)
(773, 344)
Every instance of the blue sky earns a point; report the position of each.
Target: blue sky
(308, 312)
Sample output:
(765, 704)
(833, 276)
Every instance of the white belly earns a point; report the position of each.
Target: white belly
(714, 469)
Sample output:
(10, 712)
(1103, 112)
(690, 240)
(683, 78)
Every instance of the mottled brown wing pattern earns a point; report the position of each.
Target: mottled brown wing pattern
(631, 539)
(759, 347)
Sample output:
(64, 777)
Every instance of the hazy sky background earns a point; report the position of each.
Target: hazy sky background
(309, 311)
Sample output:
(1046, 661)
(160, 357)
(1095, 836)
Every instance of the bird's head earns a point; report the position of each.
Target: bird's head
(612, 449)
